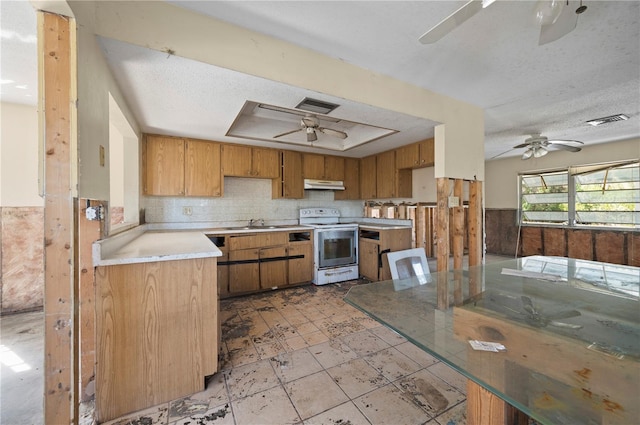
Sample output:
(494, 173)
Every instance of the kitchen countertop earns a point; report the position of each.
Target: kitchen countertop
(153, 246)
(383, 226)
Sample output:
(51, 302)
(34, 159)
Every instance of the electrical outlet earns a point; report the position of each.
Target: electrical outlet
(454, 201)
(187, 211)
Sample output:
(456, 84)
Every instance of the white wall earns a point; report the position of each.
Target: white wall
(19, 156)
(501, 184)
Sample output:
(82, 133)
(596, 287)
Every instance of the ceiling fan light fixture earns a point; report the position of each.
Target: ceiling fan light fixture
(539, 151)
(527, 154)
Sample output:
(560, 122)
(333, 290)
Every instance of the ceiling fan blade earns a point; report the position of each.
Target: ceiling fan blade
(565, 147)
(335, 133)
(500, 154)
(564, 142)
(288, 132)
(522, 145)
(451, 22)
(565, 23)
(311, 135)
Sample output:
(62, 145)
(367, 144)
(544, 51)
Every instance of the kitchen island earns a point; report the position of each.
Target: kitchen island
(157, 324)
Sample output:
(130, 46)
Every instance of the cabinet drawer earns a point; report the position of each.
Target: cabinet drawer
(257, 240)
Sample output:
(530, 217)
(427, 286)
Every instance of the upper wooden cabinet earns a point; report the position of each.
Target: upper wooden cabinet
(181, 167)
(323, 167)
(351, 180)
(368, 171)
(247, 161)
(290, 185)
(416, 155)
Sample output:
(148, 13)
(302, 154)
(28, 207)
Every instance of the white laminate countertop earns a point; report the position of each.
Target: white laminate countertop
(153, 246)
(383, 226)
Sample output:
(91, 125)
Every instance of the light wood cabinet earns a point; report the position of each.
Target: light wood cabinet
(291, 183)
(247, 161)
(386, 175)
(300, 258)
(273, 267)
(323, 167)
(416, 155)
(351, 180)
(181, 167)
(244, 270)
(157, 333)
(374, 245)
(368, 258)
(368, 172)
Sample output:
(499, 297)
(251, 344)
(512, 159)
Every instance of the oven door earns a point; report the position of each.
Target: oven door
(336, 247)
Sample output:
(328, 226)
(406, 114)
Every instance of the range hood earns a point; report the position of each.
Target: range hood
(311, 184)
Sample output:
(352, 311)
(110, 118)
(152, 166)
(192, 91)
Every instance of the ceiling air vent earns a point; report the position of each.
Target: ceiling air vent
(317, 106)
(606, 120)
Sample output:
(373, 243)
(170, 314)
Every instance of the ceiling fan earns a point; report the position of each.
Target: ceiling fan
(556, 17)
(538, 146)
(310, 124)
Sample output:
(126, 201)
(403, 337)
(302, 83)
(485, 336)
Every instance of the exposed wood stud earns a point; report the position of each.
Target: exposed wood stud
(443, 241)
(60, 397)
(458, 240)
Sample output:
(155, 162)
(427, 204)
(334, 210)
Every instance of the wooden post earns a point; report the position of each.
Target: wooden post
(443, 241)
(60, 397)
(474, 217)
(421, 229)
(483, 407)
(458, 240)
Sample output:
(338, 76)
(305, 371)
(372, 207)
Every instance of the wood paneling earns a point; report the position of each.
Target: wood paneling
(157, 333)
(532, 241)
(580, 244)
(555, 242)
(610, 247)
(60, 397)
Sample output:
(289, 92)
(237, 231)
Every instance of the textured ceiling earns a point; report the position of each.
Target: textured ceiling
(493, 60)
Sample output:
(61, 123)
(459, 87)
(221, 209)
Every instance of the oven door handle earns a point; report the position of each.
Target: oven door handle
(384, 251)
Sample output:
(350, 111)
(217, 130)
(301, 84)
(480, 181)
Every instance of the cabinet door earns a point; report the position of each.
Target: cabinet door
(368, 258)
(386, 175)
(333, 168)
(236, 160)
(300, 263)
(313, 166)
(427, 154)
(368, 177)
(266, 163)
(408, 156)
(351, 180)
(164, 166)
(202, 169)
(292, 182)
(223, 276)
(244, 277)
(273, 267)
(393, 240)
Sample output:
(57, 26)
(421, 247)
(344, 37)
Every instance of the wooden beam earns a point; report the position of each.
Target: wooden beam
(442, 233)
(458, 240)
(60, 397)
(474, 220)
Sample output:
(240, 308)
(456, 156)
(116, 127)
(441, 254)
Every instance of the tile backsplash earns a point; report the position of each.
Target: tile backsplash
(244, 199)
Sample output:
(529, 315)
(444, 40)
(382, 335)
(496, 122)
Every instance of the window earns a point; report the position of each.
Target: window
(594, 195)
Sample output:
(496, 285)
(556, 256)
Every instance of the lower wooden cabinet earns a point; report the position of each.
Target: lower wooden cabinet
(157, 333)
(300, 262)
(374, 244)
(262, 261)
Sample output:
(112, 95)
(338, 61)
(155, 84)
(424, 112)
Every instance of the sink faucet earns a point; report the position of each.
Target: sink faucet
(254, 222)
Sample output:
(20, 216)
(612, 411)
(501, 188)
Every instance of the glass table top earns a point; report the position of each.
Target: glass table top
(570, 329)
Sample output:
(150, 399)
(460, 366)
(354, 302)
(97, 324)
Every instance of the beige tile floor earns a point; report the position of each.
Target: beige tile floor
(304, 356)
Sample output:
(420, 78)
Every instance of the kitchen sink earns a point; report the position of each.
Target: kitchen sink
(283, 226)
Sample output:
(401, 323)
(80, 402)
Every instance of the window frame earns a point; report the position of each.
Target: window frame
(572, 172)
